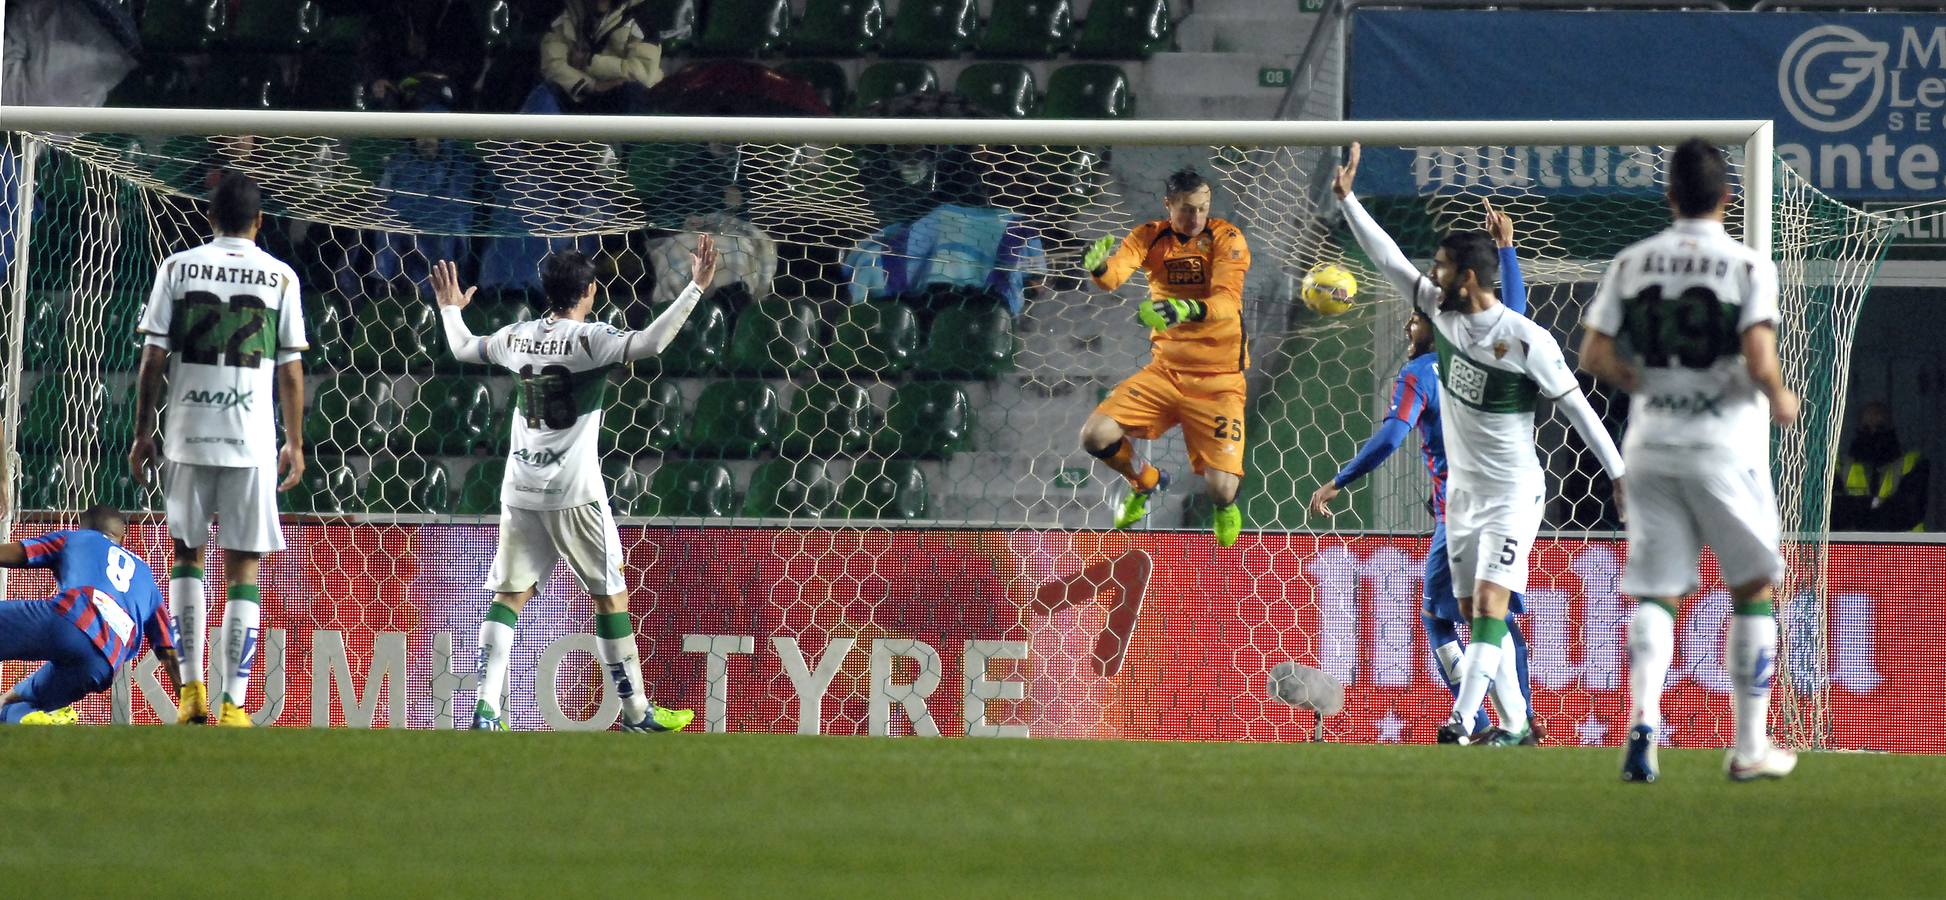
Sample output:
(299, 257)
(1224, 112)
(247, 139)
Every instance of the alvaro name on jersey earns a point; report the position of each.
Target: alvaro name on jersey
(562, 366)
(229, 314)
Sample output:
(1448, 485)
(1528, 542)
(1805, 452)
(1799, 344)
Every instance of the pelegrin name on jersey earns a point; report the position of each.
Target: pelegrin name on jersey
(1664, 264)
(539, 457)
(231, 275)
(1695, 404)
(549, 347)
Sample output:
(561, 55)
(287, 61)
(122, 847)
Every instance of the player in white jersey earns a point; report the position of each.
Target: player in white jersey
(553, 503)
(1686, 322)
(225, 321)
(1493, 365)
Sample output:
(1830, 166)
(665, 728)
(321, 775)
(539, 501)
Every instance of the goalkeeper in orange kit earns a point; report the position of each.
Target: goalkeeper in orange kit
(1196, 266)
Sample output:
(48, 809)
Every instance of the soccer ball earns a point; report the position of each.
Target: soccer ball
(1328, 289)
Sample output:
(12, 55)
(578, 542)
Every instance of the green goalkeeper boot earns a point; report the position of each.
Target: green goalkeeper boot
(1136, 505)
(1228, 524)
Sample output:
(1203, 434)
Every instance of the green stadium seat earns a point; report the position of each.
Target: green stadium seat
(241, 81)
(450, 416)
(699, 345)
(736, 418)
(407, 486)
(672, 22)
(328, 488)
(184, 26)
(744, 28)
(692, 488)
(275, 26)
(122, 346)
(932, 29)
(830, 420)
(330, 83)
(825, 77)
(847, 28)
(479, 491)
(160, 83)
(54, 399)
(628, 488)
(879, 338)
(884, 489)
(884, 80)
(325, 329)
(394, 335)
(1027, 29)
(785, 489)
(772, 337)
(43, 483)
(643, 416)
(970, 341)
(1125, 29)
(352, 412)
(47, 318)
(1004, 89)
(1089, 91)
(927, 420)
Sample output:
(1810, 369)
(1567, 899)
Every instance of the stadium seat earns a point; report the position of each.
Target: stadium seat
(479, 491)
(450, 416)
(161, 82)
(736, 418)
(879, 338)
(927, 420)
(240, 81)
(692, 488)
(644, 416)
(1004, 89)
(884, 489)
(1089, 91)
(352, 412)
(773, 337)
(783, 489)
(395, 334)
(330, 83)
(830, 420)
(54, 400)
(407, 486)
(1027, 29)
(184, 26)
(970, 341)
(932, 29)
(700, 343)
(43, 483)
(115, 486)
(275, 26)
(847, 28)
(121, 345)
(744, 28)
(670, 22)
(324, 327)
(1125, 29)
(825, 77)
(47, 318)
(628, 488)
(884, 80)
(329, 487)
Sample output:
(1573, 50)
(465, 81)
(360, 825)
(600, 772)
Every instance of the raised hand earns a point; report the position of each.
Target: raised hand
(445, 285)
(1098, 253)
(1341, 183)
(702, 262)
(1322, 497)
(1499, 224)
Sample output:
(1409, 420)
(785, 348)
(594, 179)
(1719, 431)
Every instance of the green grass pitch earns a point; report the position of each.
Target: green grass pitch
(93, 811)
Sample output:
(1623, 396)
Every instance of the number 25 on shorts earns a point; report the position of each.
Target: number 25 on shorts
(1227, 427)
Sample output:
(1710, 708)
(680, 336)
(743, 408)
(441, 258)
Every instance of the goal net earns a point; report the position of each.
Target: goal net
(852, 494)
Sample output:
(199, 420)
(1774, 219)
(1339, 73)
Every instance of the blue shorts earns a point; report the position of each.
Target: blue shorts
(32, 630)
(1438, 600)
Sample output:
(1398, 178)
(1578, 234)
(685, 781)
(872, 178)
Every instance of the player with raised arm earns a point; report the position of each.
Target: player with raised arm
(105, 604)
(553, 503)
(225, 321)
(1495, 364)
(1415, 404)
(1196, 266)
(1686, 322)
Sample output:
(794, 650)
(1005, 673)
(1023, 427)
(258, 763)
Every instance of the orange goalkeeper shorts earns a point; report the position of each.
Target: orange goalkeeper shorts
(1209, 407)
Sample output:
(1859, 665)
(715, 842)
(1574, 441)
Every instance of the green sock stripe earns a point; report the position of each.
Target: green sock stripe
(1753, 608)
(502, 613)
(1489, 629)
(613, 625)
(1668, 606)
(249, 592)
(185, 570)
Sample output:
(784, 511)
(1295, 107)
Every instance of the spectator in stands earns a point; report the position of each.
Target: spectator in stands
(1881, 486)
(595, 59)
(66, 52)
(985, 250)
(413, 58)
(748, 255)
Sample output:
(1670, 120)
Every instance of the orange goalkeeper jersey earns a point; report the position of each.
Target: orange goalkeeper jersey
(1209, 267)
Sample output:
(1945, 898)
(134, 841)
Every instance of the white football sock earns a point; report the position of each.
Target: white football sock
(1753, 650)
(241, 617)
(1651, 647)
(624, 665)
(1506, 689)
(1481, 663)
(496, 648)
(190, 609)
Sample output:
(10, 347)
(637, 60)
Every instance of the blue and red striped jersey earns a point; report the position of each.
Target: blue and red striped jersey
(105, 590)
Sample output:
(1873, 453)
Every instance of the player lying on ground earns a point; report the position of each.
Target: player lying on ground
(225, 320)
(1686, 322)
(1415, 404)
(1196, 267)
(105, 604)
(1495, 363)
(553, 503)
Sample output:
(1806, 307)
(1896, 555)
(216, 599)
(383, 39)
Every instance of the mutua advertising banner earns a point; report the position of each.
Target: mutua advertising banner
(1859, 100)
(1152, 635)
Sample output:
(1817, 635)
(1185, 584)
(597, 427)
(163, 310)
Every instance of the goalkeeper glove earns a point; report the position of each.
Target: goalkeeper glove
(1161, 314)
(1096, 259)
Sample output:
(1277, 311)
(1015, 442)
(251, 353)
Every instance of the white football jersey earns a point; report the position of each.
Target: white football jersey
(228, 313)
(1677, 305)
(561, 367)
(1493, 367)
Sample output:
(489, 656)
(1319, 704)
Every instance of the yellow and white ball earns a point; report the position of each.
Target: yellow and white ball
(1328, 289)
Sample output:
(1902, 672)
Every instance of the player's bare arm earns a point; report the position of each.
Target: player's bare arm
(290, 401)
(1760, 360)
(1347, 173)
(1603, 360)
(149, 380)
(1322, 497)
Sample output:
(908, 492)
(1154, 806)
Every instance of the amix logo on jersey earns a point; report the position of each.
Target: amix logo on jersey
(539, 457)
(1696, 404)
(220, 399)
